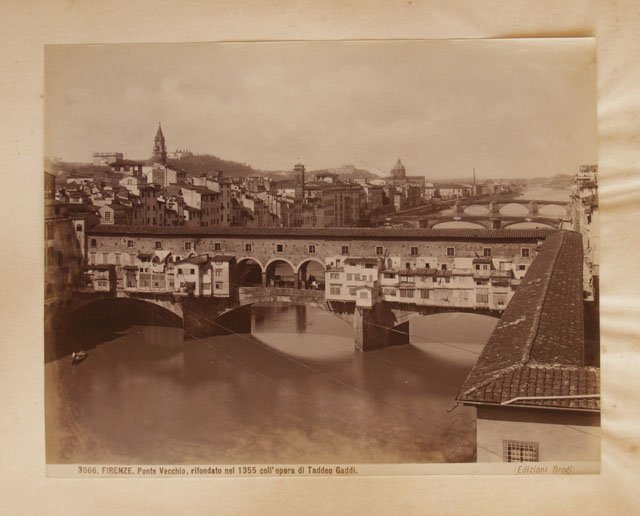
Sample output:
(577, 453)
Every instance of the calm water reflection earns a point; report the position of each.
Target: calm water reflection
(293, 391)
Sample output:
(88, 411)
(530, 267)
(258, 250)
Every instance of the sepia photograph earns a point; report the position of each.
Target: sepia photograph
(321, 257)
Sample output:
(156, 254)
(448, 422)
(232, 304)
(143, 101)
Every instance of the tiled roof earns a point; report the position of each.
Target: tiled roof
(537, 348)
(361, 233)
(196, 260)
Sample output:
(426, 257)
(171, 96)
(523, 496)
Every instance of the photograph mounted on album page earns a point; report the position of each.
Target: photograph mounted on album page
(327, 258)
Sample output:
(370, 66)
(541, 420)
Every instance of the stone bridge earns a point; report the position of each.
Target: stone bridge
(491, 222)
(386, 324)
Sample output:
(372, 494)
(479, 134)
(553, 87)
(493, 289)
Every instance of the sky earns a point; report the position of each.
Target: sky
(508, 108)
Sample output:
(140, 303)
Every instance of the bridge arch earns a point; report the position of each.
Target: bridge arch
(403, 316)
(310, 271)
(249, 272)
(476, 209)
(552, 211)
(245, 258)
(280, 272)
(529, 225)
(465, 224)
(514, 208)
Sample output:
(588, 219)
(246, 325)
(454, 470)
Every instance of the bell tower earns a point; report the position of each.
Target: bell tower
(160, 147)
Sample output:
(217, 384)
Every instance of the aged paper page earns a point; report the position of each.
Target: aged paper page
(28, 28)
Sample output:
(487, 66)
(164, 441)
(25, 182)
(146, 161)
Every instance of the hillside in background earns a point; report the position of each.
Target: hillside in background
(198, 164)
(358, 173)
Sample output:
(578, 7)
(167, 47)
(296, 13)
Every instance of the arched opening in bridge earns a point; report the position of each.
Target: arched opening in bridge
(248, 273)
(514, 209)
(281, 274)
(552, 211)
(104, 320)
(453, 340)
(458, 224)
(311, 275)
(476, 209)
(529, 225)
(302, 331)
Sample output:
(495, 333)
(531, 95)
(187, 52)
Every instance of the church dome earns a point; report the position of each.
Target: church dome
(398, 170)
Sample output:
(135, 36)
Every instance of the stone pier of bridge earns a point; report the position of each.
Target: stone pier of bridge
(376, 328)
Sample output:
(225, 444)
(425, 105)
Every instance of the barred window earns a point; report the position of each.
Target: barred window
(520, 451)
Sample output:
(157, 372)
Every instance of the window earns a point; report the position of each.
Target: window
(525, 252)
(218, 273)
(192, 271)
(79, 227)
(352, 291)
(217, 246)
(334, 291)
(334, 275)
(279, 248)
(349, 277)
(187, 246)
(389, 291)
(105, 257)
(487, 252)
(94, 242)
(482, 295)
(520, 451)
(312, 249)
(345, 249)
(379, 249)
(218, 286)
(406, 293)
(247, 248)
(451, 251)
(129, 243)
(522, 267)
(444, 267)
(107, 216)
(424, 294)
(414, 251)
(158, 245)
(117, 258)
(364, 295)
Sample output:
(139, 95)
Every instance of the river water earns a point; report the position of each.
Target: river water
(293, 391)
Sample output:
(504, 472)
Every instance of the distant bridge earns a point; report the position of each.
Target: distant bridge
(491, 222)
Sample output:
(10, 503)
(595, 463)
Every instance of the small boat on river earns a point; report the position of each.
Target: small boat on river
(78, 356)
